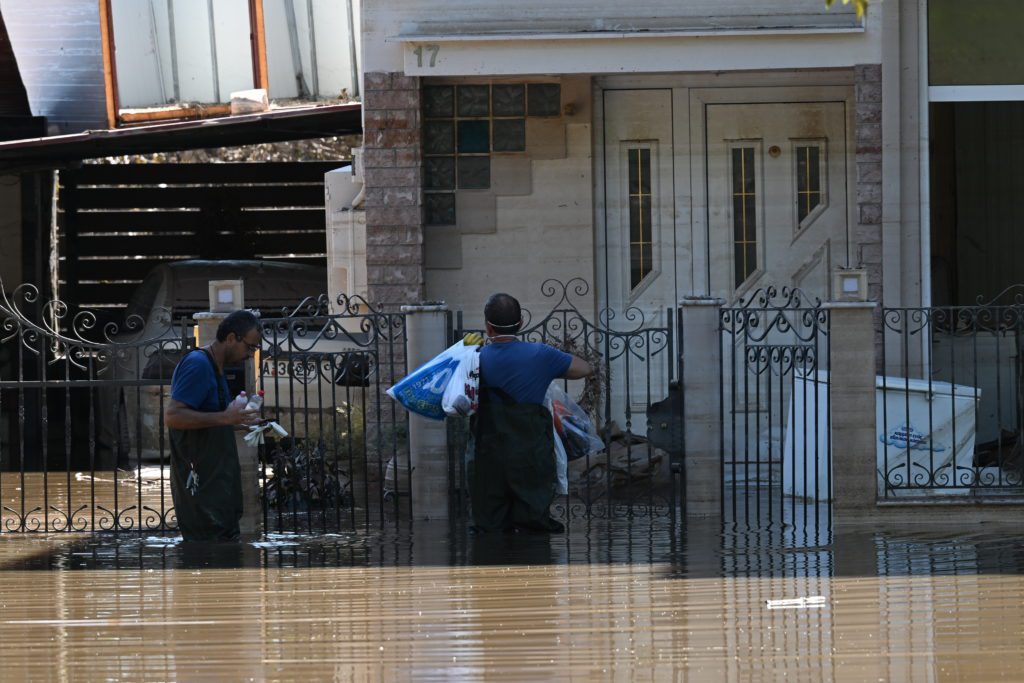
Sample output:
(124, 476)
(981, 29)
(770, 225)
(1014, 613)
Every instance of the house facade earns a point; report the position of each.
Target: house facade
(703, 148)
(658, 152)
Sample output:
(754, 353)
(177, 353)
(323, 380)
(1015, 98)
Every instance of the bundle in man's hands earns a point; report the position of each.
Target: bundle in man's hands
(575, 434)
(447, 384)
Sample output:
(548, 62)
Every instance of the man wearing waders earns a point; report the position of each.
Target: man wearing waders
(206, 481)
(514, 463)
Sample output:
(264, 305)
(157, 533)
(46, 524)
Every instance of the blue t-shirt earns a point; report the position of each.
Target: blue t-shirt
(194, 383)
(523, 370)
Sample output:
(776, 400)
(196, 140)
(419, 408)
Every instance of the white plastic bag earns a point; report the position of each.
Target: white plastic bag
(461, 397)
(573, 427)
(561, 465)
(422, 391)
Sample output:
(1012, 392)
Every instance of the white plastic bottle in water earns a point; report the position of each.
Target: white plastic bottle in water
(255, 402)
(241, 399)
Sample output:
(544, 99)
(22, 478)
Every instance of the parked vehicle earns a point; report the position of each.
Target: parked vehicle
(296, 365)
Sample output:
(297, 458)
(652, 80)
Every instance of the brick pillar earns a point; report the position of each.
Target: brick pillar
(392, 176)
(867, 235)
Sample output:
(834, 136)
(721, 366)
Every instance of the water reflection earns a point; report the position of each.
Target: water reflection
(432, 602)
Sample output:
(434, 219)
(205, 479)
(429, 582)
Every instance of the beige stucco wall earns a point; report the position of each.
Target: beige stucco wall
(536, 221)
(10, 231)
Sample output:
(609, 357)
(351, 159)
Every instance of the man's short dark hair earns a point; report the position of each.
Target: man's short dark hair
(240, 323)
(503, 313)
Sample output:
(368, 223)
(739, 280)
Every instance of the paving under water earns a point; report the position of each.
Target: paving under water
(625, 600)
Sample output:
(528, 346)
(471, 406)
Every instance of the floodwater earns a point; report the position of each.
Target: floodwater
(607, 601)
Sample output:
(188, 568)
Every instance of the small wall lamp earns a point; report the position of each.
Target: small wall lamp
(226, 295)
(850, 284)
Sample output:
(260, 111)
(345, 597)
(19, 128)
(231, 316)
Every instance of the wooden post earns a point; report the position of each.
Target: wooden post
(109, 64)
(258, 36)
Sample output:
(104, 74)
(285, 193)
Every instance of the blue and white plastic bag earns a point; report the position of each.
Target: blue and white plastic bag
(423, 390)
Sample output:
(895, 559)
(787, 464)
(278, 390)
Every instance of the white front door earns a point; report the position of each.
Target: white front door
(639, 258)
(777, 207)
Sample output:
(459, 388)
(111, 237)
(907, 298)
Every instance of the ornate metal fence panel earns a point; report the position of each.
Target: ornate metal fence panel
(950, 401)
(345, 461)
(81, 406)
(83, 445)
(775, 428)
(635, 366)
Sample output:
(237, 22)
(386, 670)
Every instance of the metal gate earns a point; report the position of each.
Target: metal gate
(636, 365)
(346, 459)
(775, 406)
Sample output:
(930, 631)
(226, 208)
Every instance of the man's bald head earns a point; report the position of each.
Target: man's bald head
(503, 313)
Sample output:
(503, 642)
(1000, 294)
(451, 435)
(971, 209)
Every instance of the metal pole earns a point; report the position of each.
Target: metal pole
(353, 57)
(175, 83)
(213, 51)
(314, 75)
(293, 39)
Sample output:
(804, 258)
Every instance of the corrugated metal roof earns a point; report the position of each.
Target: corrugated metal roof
(59, 50)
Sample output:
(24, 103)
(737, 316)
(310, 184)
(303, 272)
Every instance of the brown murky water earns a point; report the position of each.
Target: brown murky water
(611, 603)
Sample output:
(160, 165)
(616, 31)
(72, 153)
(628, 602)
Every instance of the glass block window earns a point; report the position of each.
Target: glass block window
(474, 137)
(808, 180)
(464, 125)
(474, 100)
(439, 101)
(641, 244)
(439, 173)
(744, 213)
(509, 135)
(509, 100)
(438, 137)
(440, 208)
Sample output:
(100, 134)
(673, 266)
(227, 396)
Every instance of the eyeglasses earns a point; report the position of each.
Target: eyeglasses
(253, 348)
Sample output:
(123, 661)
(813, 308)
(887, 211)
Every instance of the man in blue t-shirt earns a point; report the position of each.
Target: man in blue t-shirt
(513, 480)
(206, 483)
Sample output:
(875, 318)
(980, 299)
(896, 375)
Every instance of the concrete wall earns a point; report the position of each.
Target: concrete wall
(536, 221)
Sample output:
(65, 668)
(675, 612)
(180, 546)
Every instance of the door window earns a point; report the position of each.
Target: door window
(809, 182)
(744, 213)
(641, 245)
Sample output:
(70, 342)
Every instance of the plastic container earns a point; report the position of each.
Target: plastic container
(241, 399)
(256, 402)
(925, 434)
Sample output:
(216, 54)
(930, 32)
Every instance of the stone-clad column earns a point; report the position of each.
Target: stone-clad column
(428, 439)
(852, 404)
(392, 176)
(702, 418)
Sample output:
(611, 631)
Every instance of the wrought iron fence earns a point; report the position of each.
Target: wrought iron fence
(78, 399)
(775, 426)
(950, 401)
(635, 367)
(346, 458)
(83, 445)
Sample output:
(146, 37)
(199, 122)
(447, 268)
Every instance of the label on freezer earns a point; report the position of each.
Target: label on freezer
(907, 437)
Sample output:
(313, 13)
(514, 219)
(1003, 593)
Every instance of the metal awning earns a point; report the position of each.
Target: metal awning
(294, 123)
